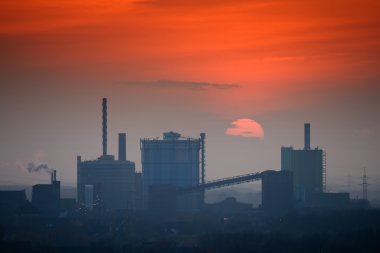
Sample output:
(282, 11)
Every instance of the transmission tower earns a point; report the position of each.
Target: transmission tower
(365, 184)
(349, 182)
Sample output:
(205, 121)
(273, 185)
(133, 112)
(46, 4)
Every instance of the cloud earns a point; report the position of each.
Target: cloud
(367, 131)
(183, 84)
(285, 58)
(186, 3)
(247, 128)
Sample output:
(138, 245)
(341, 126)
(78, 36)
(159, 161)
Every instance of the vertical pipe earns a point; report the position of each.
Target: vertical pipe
(122, 146)
(104, 124)
(79, 180)
(203, 162)
(203, 165)
(307, 136)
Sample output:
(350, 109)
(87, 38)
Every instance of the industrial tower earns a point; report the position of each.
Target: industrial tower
(174, 161)
(308, 166)
(106, 183)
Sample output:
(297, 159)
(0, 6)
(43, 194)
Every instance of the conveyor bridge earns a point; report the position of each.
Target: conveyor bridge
(223, 182)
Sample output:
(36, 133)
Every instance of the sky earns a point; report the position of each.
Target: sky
(248, 73)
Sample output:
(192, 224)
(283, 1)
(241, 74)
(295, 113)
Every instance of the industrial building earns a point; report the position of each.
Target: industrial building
(162, 200)
(174, 160)
(229, 206)
(11, 201)
(138, 192)
(277, 192)
(331, 200)
(46, 197)
(106, 183)
(308, 167)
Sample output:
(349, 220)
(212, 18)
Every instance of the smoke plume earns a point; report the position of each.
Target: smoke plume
(33, 167)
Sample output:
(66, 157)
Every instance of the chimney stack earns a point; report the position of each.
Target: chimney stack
(53, 176)
(104, 104)
(122, 146)
(307, 136)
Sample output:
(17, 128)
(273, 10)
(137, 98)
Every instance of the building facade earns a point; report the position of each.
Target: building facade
(10, 202)
(112, 182)
(277, 192)
(308, 167)
(107, 183)
(46, 197)
(173, 160)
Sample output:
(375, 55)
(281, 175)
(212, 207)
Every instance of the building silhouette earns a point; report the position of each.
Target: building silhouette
(11, 201)
(162, 200)
(277, 192)
(329, 200)
(308, 167)
(106, 183)
(46, 197)
(174, 160)
(138, 193)
(228, 206)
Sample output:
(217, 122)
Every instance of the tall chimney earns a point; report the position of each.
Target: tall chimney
(203, 165)
(203, 162)
(53, 176)
(104, 104)
(307, 136)
(122, 146)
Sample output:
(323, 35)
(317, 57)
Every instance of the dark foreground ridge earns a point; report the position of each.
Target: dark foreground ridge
(301, 231)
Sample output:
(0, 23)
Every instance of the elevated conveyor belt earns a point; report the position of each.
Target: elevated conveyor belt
(223, 182)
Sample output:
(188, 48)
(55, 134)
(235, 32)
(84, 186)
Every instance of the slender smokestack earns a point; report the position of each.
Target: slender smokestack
(203, 162)
(122, 146)
(53, 176)
(203, 165)
(104, 104)
(307, 136)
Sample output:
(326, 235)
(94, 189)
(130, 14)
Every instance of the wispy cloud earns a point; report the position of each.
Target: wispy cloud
(246, 128)
(197, 3)
(284, 58)
(182, 84)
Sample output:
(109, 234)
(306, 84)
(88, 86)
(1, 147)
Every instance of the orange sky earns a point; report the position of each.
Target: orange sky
(220, 41)
(267, 47)
(316, 59)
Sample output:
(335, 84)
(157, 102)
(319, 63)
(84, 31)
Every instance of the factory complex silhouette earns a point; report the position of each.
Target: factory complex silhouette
(173, 179)
(115, 201)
